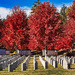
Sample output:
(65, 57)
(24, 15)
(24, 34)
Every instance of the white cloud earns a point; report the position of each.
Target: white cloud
(5, 11)
(27, 9)
(28, 12)
(58, 8)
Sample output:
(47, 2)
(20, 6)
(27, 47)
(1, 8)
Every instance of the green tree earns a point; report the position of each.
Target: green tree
(36, 3)
(63, 13)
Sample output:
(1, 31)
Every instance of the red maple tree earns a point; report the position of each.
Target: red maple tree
(70, 27)
(1, 27)
(15, 30)
(63, 42)
(71, 13)
(45, 26)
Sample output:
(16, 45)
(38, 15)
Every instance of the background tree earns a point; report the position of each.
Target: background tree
(15, 30)
(36, 3)
(68, 10)
(63, 14)
(1, 27)
(70, 27)
(71, 13)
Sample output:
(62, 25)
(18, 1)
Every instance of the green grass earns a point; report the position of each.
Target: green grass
(40, 71)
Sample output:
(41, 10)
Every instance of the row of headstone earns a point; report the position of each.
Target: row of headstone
(5, 58)
(73, 60)
(70, 59)
(4, 63)
(53, 57)
(60, 60)
(24, 65)
(66, 64)
(44, 62)
(64, 61)
(13, 59)
(47, 59)
(35, 63)
(52, 61)
(2, 56)
(15, 64)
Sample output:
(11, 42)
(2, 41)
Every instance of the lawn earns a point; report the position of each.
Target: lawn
(40, 71)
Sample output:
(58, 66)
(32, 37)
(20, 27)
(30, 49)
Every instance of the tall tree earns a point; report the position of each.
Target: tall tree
(1, 27)
(45, 27)
(71, 13)
(15, 30)
(63, 14)
(68, 10)
(70, 27)
(36, 3)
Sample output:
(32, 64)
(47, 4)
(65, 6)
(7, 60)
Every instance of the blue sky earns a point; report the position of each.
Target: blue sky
(6, 5)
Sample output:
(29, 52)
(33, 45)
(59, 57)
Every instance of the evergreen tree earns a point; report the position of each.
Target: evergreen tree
(63, 14)
(36, 3)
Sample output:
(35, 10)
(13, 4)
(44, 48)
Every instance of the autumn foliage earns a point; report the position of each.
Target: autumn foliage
(43, 29)
(15, 30)
(1, 27)
(70, 27)
(45, 26)
(71, 13)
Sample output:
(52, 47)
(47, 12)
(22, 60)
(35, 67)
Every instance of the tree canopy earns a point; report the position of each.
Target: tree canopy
(15, 30)
(45, 26)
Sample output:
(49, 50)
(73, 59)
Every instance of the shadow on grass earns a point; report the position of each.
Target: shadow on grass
(71, 68)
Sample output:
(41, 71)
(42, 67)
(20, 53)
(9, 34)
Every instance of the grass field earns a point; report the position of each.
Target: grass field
(40, 71)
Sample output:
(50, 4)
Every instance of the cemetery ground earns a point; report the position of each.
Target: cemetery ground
(40, 71)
